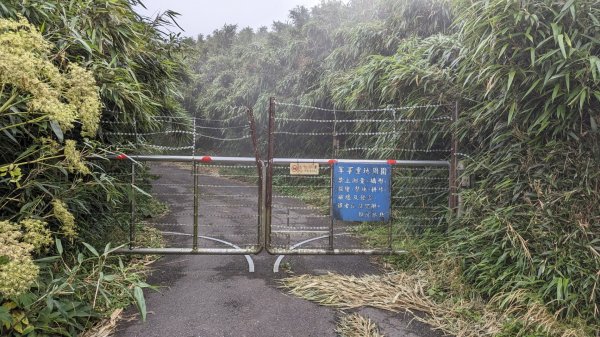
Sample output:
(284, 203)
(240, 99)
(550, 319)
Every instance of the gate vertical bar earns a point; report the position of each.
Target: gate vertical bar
(259, 168)
(264, 217)
(452, 200)
(391, 219)
(132, 220)
(269, 180)
(331, 219)
(196, 205)
(335, 142)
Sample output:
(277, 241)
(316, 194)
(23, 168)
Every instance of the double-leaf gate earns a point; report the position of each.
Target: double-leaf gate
(293, 206)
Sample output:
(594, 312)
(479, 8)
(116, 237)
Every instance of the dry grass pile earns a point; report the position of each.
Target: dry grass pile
(355, 325)
(106, 327)
(396, 292)
(408, 292)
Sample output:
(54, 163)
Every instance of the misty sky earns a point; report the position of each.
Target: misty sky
(204, 16)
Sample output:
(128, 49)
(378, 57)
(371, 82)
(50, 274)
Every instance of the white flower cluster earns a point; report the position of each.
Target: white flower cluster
(63, 97)
(17, 242)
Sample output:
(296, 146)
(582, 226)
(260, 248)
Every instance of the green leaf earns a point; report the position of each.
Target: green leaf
(48, 259)
(91, 249)
(59, 247)
(109, 278)
(512, 111)
(138, 294)
(106, 249)
(555, 91)
(582, 98)
(5, 317)
(142, 191)
(511, 77)
(561, 45)
(555, 30)
(57, 130)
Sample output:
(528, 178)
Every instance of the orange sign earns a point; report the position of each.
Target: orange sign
(304, 169)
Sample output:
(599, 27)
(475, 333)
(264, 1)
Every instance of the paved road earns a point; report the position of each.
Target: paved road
(209, 296)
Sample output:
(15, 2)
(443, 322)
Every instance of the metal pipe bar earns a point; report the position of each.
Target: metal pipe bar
(331, 219)
(300, 232)
(263, 220)
(132, 204)
(347, 251)
(196, 205)
(408, 163)
(452, 176)
(268, 204)
(190, 251)
(167, 158)
(391, 219)
(259, 170)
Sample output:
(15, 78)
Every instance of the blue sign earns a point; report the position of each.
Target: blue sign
(361, 192)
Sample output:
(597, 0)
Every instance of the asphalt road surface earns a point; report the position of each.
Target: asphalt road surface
(205, 296)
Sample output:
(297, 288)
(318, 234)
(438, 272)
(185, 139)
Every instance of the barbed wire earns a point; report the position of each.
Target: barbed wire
(286, 119)
(301, 186)
(223, 127)
(190, 118)
(420, 178)
(419, 195)
(168, 148)
(390, 109)
(379, 133)
(322, 167)
(150, 133)
(419, 218)
(300, 176)
(302, 207)
(223, 139)
(392, 149)
(282, 226)
(186, 225)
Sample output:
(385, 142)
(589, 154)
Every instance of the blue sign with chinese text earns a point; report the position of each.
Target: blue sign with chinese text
(361, 192)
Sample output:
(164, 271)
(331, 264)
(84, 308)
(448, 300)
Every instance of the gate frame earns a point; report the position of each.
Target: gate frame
(265, 195)
(195, 250)
(271, 161)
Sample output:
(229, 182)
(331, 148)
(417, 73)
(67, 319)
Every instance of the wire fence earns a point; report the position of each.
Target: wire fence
(419, 195)
(209, 196)
(184, 135)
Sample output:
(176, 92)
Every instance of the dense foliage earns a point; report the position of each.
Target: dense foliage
(76, 78)
(525, 76)
(80, 77)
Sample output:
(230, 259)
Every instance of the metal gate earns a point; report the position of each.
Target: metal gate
(284, 213)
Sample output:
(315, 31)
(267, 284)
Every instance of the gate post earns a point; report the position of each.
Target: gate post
(132, 205)
(260, 171)
(196, 204)
(453, 176)
(269, 176)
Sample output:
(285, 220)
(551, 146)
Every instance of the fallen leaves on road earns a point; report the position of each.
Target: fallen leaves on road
(355, 325)
(397, 292)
